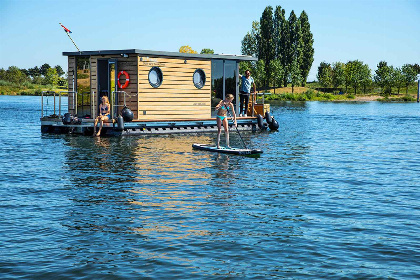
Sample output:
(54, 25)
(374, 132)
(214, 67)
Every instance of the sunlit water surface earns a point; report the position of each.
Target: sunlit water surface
(335, 195)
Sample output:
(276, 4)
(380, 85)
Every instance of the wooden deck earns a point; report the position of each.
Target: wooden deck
(143, 127)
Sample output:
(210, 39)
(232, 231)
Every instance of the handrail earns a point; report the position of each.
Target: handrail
(117, 92)
(263, 95)
(59, 100)
(125, 93)
(42, 101)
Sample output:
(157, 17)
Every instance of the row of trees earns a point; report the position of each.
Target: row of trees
(284, 48)
(358, 75)
(188, 49)
(43, 75)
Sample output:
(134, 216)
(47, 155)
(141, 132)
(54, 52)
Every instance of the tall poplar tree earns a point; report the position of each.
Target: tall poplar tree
(278, 25)
(294, 51)
(284, 45)
(291, 46)
(266, 40)
(289, 41)
(308, 48)
(250, 41)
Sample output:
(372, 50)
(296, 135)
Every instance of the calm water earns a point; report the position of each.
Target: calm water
(334, 196)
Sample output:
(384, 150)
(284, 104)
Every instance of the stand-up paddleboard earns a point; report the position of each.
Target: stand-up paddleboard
(225, 150)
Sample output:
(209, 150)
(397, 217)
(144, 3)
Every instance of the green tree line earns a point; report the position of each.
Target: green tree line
(284, 48)
(43, 75)
(357, 75)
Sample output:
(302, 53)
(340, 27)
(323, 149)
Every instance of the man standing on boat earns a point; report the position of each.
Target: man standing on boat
(245, 91)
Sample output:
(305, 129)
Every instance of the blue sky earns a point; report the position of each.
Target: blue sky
(367, 30)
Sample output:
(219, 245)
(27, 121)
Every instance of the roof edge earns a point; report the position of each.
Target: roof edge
(162, 53)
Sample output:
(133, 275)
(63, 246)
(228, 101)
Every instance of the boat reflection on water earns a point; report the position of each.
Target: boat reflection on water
(157, 179)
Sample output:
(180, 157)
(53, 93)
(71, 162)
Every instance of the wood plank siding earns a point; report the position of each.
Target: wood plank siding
(71, 77)
(177, 97)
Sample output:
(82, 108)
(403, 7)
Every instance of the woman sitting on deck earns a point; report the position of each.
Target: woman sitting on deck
(222, 108)
(103, 116)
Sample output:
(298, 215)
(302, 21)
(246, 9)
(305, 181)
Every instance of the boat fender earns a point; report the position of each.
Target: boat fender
(127, 79)
(120, 123)
(127, 114)
(268, 117)
(67, 118)
(274, 125)
(260, 121)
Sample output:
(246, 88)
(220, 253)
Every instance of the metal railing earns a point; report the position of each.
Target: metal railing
(125, 94)
(54, 94)
(263, 95)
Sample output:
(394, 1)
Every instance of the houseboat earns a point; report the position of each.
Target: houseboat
(163, 92)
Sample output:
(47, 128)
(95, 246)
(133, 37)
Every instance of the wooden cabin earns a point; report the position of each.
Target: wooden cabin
(161, 85)
(168, 92)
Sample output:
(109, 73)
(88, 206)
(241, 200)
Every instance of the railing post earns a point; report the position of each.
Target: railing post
(42, 104)
(59, 103)
(418, 91)
(54, 102)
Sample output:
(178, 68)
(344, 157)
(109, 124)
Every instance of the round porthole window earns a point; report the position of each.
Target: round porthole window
(199, 78)
(155, 77)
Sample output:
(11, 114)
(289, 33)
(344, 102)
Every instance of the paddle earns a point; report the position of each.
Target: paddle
(237, 130)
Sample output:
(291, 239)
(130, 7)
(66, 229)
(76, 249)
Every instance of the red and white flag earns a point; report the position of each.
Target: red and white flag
(65, 29)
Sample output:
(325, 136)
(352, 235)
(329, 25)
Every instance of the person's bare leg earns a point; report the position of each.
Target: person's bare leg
(226, 125)
(94, 126)
(219, 130)
(100, 127)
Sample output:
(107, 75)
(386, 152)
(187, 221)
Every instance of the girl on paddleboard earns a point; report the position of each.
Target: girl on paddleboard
(222, 108)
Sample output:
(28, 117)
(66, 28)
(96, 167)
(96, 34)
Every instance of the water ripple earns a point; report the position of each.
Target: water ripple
(334, 196)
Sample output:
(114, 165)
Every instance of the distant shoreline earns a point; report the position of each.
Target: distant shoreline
(357, 98)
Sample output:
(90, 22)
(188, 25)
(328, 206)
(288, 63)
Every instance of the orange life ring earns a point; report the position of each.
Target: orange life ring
(127, 79)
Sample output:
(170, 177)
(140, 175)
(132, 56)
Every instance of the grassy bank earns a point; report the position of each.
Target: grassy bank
(8, 88)
(314, 93)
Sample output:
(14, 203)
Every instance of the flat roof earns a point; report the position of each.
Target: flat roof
(160, 53)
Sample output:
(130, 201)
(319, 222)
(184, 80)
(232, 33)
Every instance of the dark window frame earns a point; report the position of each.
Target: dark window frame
(159, 74)
(203, 78)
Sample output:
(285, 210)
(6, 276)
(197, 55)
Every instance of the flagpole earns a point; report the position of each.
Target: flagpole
(68, 34)
(73, 42)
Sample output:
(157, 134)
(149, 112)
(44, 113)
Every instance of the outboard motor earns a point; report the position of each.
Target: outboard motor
(67, 118)
(127, 114)
(273, 125)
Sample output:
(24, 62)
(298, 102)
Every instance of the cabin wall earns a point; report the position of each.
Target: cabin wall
(177, 97)
(128, 64)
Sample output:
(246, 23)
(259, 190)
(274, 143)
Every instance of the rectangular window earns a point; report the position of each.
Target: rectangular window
(224, 80)
(230, 78)
(83, 86)
(216, 82)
